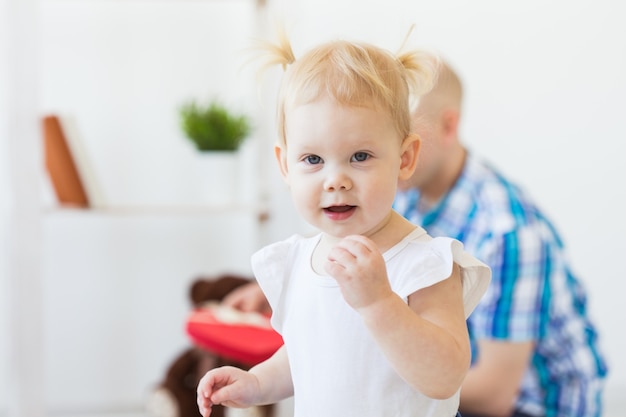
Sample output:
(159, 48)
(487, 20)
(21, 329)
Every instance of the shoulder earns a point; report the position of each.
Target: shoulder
(506, 223)
(278, 253)
(500, 203)
(271, 266)
(426, 261)
(475, 274)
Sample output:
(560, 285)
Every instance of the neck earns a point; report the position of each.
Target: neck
(446, 178)
(388, 234)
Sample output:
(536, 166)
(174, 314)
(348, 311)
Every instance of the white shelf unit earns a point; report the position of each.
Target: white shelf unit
(115, 296)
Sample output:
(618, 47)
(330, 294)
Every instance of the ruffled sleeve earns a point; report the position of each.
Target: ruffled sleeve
(474, 274)
(435, 264)
(271, 266)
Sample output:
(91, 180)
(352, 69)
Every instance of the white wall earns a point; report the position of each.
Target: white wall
(545, 102)
(119, 70)
(20, 232)
(4, 212)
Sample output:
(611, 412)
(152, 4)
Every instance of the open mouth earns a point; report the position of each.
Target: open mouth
(339, 209)
(339, 213)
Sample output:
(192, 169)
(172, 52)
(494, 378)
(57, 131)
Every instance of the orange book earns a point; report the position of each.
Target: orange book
(61, 165)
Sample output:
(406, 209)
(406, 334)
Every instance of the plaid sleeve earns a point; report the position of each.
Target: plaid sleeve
(515, 307)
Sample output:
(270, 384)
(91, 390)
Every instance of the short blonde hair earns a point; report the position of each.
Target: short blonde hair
(354, 74)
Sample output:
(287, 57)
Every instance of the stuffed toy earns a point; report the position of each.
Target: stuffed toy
(175, 395)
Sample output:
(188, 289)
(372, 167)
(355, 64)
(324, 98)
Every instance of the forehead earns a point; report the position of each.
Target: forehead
(326, 117)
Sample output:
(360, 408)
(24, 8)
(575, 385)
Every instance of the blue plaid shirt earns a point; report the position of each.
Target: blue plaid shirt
(533, 295)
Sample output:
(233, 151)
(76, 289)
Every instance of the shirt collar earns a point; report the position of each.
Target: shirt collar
(459, 197)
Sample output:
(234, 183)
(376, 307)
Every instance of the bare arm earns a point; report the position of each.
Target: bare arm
(274, 376)
(492, 384)
(426, 341)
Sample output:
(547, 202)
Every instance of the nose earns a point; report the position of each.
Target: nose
(337, 180)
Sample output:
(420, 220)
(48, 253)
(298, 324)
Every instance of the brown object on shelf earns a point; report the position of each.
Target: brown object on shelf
(61, 166)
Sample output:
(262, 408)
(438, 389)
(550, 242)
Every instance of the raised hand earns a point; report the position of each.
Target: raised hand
(359, 268)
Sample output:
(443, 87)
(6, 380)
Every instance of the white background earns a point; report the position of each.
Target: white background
(544, 102)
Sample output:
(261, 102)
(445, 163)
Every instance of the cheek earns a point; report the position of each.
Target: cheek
(303, 190)
(383, 188)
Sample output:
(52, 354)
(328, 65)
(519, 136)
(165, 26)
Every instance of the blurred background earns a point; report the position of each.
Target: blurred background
(93, 301)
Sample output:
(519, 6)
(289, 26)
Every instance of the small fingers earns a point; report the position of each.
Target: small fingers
(204, 405)
(352, 249)
(357, 245)
(203, 396)
(333, 268)
(340, 255)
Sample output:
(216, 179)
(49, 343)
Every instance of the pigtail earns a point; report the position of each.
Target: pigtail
(421, 68)
(279, 53)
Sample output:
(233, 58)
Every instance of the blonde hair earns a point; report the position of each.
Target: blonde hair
(354, 74)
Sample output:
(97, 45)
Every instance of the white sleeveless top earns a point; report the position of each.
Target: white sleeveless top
(336, 367)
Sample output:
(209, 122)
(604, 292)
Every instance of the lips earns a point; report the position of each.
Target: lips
(339, 212)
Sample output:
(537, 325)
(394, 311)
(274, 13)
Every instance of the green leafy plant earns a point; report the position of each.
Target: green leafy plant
(213, 127)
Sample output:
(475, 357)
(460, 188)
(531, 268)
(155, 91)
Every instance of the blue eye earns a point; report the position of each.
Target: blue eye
(313, 159)
(360, 157)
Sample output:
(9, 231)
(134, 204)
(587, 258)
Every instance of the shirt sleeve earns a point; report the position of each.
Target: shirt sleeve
(436, 257)
(475, 276)
(270, 266)
(516, 304)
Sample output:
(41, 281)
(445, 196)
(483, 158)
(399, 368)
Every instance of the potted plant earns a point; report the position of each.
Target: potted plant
(217, 133)
(213, 127)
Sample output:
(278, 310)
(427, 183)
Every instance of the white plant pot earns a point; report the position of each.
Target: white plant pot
(218, 176)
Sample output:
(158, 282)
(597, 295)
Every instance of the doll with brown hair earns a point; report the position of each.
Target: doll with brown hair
(175, 395)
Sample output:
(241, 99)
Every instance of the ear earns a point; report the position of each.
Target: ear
(450, 124)
(408, 158)
(281, 159)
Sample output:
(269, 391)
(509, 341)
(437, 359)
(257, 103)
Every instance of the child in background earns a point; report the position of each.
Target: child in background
(372, 309)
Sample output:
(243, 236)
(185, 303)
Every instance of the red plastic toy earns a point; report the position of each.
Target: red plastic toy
(243, 337)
